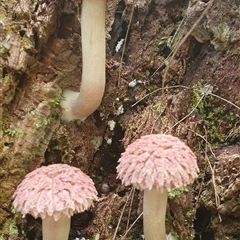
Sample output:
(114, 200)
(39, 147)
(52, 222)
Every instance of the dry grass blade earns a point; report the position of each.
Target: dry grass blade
(210, 3)
(217, 199)
(124, 207)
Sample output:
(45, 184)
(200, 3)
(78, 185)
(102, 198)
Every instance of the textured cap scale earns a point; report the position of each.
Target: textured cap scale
(157, 161)
(54, 190)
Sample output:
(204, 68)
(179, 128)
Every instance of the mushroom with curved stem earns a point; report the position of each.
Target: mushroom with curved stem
(54, 193)
(156, 163)
(79, 105)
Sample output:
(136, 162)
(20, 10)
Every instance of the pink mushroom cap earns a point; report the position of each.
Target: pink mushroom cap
(54, 190)
(157, 161)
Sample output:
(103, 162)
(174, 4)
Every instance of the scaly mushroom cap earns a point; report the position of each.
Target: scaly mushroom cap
(55, 190)
(157, 161)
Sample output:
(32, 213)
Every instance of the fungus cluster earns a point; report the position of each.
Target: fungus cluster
(54, 193)
(157, 163)
(79, 105)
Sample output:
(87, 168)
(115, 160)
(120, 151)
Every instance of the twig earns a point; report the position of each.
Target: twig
(120, 218)
(131, 226)
(217, 200)
(183, 40)
(130, 208)
(195, 107)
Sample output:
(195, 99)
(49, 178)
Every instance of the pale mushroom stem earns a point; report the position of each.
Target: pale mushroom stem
(154, 211)
(56, 230)
(79, 105)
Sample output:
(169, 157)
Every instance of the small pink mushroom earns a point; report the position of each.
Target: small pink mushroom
(54, 193)
(157, 163)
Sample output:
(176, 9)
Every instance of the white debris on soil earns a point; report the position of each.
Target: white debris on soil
(119, 111)
(111, 125)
